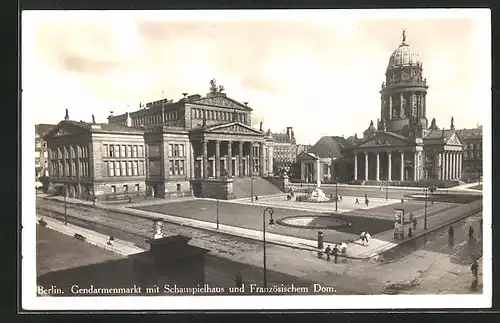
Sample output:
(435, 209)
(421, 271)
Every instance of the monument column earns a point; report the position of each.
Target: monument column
(415, 166)
(401, 110)
(366, 166)
(250, 159)
(230, 158)
(378, 167)
(240, 159)
(402, 170)
(217, 159)
(389, 166)
(390, 106)
(205, 158)
(262, 159)
(356, 167)
(318, 175)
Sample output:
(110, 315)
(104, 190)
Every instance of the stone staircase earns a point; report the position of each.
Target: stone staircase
(242, 187)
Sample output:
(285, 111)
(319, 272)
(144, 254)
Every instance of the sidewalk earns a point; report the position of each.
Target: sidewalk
(381, 242)
(120, 247)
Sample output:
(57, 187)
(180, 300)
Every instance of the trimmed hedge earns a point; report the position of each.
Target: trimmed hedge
(421, 183)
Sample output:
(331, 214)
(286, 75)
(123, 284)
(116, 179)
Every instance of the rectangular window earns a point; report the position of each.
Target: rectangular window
(141, 168)
(134, 152)
(117, 169)
(111, 169)
(129, 168)
(124, 168)
(113, 189)
(111, 151)
(135, 173)
(136, 188)
(171, 168)
(119, 152)
(141, 151)
(178, 187)
(129, 151)
(181, 150)
(176, 150)
(170, 150)
(125, 188)
(124, 151)
(181, 167)
(176, 167)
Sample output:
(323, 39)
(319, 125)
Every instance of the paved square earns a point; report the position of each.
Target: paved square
(250, 217)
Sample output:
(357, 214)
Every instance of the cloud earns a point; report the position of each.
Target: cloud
(321, 76)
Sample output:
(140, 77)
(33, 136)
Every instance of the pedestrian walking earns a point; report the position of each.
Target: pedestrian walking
(414, 223)
(366, 197)
(475, 269)
(410, 233)
(357, 201)
(411, 217)
(471, 232)
(340, 196)
(238, 280)
(402, 201)
(335, 253)
(450, 231)
(328, 252)
(366, 202)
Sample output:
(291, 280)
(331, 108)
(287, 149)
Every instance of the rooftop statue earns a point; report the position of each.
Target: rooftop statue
(213, 86)
(404, 36)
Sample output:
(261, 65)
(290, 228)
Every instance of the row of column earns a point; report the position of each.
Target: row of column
(410, 104)
(240, 159)
(389, 166)
(451, 165)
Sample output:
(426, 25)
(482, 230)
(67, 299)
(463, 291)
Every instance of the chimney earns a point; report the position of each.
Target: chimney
(289, 132)
(129, 120)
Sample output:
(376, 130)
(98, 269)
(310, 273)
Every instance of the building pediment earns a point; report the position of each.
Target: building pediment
(384, 140)
(454, 140)
(223, 102)
(65, 128)
(234, 128)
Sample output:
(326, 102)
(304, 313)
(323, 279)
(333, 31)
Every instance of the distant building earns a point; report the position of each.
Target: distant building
(164, 148)
(41, 152)
(473, 153)
(401, 146)
(285, 150)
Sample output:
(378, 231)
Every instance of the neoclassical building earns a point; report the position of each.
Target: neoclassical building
(401, 146)
(164, 148)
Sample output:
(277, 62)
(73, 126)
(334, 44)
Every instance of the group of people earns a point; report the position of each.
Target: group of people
(366, 200)
(335, 251)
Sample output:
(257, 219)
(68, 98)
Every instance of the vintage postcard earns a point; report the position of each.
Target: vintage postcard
(264, 159)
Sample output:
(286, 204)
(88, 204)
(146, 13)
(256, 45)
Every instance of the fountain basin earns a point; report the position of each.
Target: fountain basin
(314, 222)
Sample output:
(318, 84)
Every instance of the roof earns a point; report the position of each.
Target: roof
(281, 138)
(43, 128)
(97, 127)
(475, 133)
(330, 147)
(438, 136)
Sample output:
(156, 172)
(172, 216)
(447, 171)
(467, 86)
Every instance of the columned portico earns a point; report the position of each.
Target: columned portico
(356, 167)
(389, 166)
(366, 166)
(402, 166)
(378, 167)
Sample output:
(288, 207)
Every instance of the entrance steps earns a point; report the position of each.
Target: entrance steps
(242, 187)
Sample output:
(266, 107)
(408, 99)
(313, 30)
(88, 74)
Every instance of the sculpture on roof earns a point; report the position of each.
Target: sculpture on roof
(260, 128)
(93, 119)
(371, 123)
(213, 86)
(221, 88)
(452, 126)
(404, 35)
(66, 116)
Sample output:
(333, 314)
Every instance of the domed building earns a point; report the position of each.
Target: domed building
(402, 147)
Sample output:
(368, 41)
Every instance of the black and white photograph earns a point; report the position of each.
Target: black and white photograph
(256, 159)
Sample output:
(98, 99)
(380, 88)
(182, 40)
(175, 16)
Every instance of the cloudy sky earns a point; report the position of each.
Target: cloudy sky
(318, 71)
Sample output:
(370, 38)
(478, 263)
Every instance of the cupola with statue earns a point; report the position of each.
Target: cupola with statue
(404, 92)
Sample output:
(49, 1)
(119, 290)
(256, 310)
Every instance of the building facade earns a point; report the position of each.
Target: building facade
(473, 153)
(175, 145)
(41, 152)
(401, 147)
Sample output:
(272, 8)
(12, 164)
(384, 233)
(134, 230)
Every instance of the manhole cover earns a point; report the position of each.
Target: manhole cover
(314, 222)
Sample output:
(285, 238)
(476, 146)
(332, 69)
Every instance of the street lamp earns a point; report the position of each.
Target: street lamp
(386, 192)
(269, 210)
(65, 214)
(217, 207)
(426, 188)
(336, 193)
(251, 188)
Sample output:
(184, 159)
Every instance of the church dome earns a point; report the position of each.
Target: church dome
(404, 55)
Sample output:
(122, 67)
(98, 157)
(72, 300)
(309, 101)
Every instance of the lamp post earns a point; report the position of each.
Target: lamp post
(251, 188)
(426, 188)
(386, 192)
(217, 207)
(336, 193)
(65, 214)
(269, 210)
